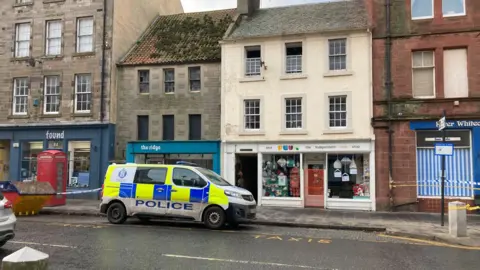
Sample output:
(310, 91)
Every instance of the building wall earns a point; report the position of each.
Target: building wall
(313, 85)
(157, 103)
(409, 35)
(130, 20)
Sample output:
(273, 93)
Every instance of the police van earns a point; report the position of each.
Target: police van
(176, 191)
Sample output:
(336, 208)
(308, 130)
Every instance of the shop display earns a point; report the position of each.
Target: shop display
(281, 176)
(350, 177)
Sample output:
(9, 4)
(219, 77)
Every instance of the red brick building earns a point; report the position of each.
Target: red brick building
(434, 63)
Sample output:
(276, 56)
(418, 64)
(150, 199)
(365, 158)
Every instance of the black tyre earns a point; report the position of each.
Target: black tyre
(116, 213)
(214, 218)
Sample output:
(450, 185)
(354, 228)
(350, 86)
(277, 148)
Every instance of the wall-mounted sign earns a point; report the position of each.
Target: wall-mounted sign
(54, 135)
(152, 147)
(319, 148)
(444, 149)
(55, 144)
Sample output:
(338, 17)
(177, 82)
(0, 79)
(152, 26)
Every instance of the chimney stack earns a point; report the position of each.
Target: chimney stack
(247, 7)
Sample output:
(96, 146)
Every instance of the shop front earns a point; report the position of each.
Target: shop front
(462, 169)
(89, 147)
(332, 175)
(203, 153)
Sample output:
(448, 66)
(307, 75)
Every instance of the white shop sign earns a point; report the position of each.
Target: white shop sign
(317, 148)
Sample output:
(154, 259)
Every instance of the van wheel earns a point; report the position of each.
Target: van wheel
(116, 213)
(214, 218)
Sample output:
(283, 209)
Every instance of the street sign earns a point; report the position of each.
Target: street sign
(442, 123)
(444, 149)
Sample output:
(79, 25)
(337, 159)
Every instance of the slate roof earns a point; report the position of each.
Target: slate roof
(303, 19)
(181, 38)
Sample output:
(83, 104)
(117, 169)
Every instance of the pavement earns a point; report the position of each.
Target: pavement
(425, 226)
(85, 242)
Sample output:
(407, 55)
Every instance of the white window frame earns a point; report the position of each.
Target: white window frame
(80, 36)
(244, 116)
(349, 110)
(252, 61)
(303, 113)
(422, 17)
(88, 93)
(49, 39)
(47, 94)
(424, 67)
(19, 41)
(294, 58)
(334, 55)
(464, 13)
(24, 95)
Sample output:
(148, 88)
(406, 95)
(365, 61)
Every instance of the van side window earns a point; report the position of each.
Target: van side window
(150, 176)
(187, 178)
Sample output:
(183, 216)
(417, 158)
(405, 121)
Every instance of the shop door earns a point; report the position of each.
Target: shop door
(4, 159)
(314, 185)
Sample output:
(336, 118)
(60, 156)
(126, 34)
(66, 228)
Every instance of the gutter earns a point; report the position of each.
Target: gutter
(104, 40)
(388, 88)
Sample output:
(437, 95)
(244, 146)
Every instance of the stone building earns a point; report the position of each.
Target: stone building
(169, 91)
(431, 66)
(56, 89)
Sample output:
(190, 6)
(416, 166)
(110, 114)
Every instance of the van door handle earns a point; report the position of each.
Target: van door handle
(174, 190)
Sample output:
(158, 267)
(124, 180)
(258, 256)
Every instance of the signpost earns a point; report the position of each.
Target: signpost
(443, 149)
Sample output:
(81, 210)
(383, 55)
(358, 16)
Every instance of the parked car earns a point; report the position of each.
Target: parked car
(8, 221)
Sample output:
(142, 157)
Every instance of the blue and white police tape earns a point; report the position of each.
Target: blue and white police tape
(79, 191)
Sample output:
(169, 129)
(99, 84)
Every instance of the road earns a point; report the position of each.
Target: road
(92, 243)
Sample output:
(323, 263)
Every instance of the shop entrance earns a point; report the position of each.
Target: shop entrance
(314, 185)
(246, 173)
(4, 160)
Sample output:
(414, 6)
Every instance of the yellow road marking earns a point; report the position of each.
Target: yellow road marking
(292, 239)
(429, 242)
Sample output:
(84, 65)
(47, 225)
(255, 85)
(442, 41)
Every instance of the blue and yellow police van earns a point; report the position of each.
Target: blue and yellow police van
(178, 191)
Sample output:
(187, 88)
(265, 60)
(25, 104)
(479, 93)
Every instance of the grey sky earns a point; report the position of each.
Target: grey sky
(203, 5)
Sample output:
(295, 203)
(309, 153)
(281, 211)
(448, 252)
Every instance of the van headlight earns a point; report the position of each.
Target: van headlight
(233, 194)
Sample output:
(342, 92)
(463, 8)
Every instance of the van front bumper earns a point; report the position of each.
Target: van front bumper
(239, 213)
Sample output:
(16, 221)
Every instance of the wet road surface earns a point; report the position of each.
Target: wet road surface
(93, 243)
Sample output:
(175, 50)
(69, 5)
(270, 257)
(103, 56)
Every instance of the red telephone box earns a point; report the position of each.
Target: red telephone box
(52, 168)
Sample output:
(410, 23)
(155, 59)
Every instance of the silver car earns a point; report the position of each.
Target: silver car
(7, 221)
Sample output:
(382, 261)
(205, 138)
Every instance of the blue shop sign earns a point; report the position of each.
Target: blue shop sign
(174, 147)
(453, 124)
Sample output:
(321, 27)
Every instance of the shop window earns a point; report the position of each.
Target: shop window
(168, 127)
(195, 127)
(458, 169)
(348, 176)
(79, 163)
(30, 151)
(187, 178)
(150, 176)
(281, 175)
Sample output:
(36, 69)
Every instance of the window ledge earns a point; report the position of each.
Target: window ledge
(294, 132)
(252, 79)
(18, 116)
(83, 54)
(52, 57)
(430, 97)
(20, 59)
(52, 115)
(169, 93)
(338, 73)
(454, 15)
(82, 114)
(338, 131)
(52, 1)
(422, 18)
(293, 76)
(144, 94)
(251, 133)
(196, 91)
(22, 4)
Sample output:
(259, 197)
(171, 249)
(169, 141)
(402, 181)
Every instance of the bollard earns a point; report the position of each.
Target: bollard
(457, 219)
(26, 259)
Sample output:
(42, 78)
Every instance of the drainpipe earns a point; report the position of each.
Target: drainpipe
(388, 88)
(104, 40)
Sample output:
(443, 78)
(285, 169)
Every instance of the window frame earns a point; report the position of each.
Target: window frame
(14, 103)
(189, 127)
(303, 99)
(147, 117)
(144, 83)
(18, 41)
(346, 54)
(422, 17)
(244, 115)
(163, 127)
(48, 39)
(78, 36)
(58, 95)
(199, 78)
(349, 116)
(290, 44)
(245, 62)
(182, 186)
(434, 94)
(165, 81)
(76, 110)
(464, 13)
(135, 178)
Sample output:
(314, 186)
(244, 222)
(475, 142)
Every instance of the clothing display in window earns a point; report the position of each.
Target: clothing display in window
(281, 176)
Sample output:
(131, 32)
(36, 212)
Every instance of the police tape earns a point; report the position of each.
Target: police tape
(466, 207)
(78, 192)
